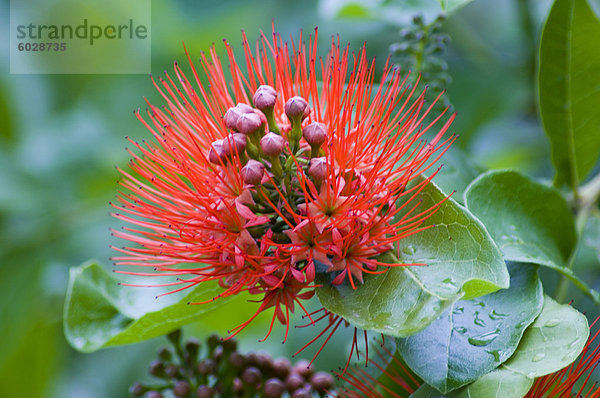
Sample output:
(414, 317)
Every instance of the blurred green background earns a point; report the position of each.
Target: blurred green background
(62, 135)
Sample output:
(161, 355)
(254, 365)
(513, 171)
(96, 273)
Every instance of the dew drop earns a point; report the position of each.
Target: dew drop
(483, 339)
(573, 344)
(460, 329)
(458, 310)
(552, 323)
(495, 315)
(408, 250)
(496, 354)
(538, 357)
(478, 321)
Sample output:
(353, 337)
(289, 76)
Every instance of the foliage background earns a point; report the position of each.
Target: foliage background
(61, 136)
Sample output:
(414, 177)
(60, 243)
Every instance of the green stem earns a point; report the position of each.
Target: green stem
(584, 202)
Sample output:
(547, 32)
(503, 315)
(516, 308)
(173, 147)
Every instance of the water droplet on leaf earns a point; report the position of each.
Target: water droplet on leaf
(538, 357)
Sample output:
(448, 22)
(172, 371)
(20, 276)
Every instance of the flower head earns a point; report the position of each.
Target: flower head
(251, 181)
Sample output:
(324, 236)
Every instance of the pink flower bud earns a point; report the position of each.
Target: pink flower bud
(315, 133)
(272, 144)
(216, 154)
(252, 173)
(295, 106)
(318, 168)
(234, 142)
(264, 97)
(248, 123)
(232, 114)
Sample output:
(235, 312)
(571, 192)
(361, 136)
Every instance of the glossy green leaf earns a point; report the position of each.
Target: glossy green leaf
(569, 88)
(100, 313)
(496, 384)
(529, 221)
(473, 337)
(462, 261)
(553, 341)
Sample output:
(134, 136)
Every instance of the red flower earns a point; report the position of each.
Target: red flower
(253, 195)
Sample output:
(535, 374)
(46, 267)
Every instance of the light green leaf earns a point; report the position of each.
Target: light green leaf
(530, 222)
(569, 88)
(99, 313)
(553, 341)
(473, 337)
(453, 5)
(462, 261)
(496, 384)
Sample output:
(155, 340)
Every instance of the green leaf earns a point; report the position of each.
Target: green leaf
(530, 222)
(569, 88)
(498, 383)
(100, 313)
(452, 5)
(473, 337)
(553, 341)
(462, 261)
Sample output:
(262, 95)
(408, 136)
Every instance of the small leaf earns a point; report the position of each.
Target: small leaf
(569, 88)
(529, 221)
(498, 383)
(462, 260)
(553, 341)
(99, 313)
(453, 5)
(474, 337)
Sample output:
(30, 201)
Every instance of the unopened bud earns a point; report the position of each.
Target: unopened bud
(137, 390)
(248, 123)
(321, 381)
(294, 381)
(238, 385)
(192, 346)
(232, 115)
(304, 392)
(274, 388)
(303, 367)
(157, 368)
(154, 394)
(204, 392)
(252, 376)
(252, 173)
(281, 367)
(181, 388)
(206, 367)
(318, 168)
(171, 370)
(265, 97)
(315, 134)
(234, 144)
(216, 154)
(272, 144)
(236, 360)
(295, 107)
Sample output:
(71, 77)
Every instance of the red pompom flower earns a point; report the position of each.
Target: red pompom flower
(263, 178)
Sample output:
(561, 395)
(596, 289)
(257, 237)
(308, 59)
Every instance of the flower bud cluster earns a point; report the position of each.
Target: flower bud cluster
(216, 369)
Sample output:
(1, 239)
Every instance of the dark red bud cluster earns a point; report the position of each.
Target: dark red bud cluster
(220, 371)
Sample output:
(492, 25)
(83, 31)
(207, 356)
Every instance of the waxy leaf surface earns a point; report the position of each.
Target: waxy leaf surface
(462, 260)
(473, 337)
(100, 313)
